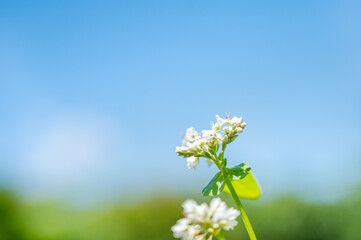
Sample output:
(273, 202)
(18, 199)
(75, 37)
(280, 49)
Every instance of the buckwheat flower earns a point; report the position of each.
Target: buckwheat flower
(192, 162)
(181, 149)
(220, 121)
(227, 130)
(235, 121)
(227, 120)
(238, 122)
(212, 137)
(207, 144)
(225, 217)
(193, 148)
(202, 222)
(200, 141)
(180, 230)
(190, 136)
(189, 206)
(202, 237)
(197, 146)
(216, 126)
(239, 129)
(209, 134)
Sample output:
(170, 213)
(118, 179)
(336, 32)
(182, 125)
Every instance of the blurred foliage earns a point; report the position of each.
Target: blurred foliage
(283, 218)
(12, 225)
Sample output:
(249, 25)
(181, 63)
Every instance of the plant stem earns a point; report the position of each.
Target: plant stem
(245, 219)
(235, 197)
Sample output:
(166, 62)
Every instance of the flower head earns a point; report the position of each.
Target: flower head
(207, 144)
(203, 221)
(190, 136)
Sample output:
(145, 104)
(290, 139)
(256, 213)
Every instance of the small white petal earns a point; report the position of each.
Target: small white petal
(209, 161)
(189, 206)
(192, 162)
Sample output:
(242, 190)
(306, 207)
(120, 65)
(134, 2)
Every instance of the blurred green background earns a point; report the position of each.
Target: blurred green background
(281, 218)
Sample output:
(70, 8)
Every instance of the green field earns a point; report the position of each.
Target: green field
(282, 218)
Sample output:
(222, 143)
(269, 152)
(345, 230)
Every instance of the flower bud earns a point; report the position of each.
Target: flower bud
(227, 130)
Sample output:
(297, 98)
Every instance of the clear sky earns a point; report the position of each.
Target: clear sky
(95, 95)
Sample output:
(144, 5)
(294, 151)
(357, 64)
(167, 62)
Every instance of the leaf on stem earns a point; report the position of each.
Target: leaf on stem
(246, 187)
(238, 172)
(215, 186)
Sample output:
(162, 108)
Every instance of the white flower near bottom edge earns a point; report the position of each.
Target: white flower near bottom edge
(192, 162)
(201, 222)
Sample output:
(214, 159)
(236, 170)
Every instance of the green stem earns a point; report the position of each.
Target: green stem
(222, 152)
(235, 197)
(221, 237)
(245, 219)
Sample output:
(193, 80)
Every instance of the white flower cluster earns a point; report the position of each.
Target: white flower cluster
(207, 144)
(202, 222)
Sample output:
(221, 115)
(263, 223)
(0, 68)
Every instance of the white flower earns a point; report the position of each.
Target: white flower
(202, 237)
(238, 122)
(209, 134)
(197, 145)
(181, 149)
(239, 129)
(201, 222)
(192, 162)
(208, 144)
(190, 136)
(193, 148)
(220, 121)
(200, 141)
(189, 206)
(216, 126)
(235, 121)
(213, 138)
(181, 228)
(227, 130)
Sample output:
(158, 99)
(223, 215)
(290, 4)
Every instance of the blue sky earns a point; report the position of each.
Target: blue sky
(94, 96)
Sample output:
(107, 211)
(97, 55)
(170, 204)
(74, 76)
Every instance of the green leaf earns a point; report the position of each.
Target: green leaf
(215, 186)
(246, 187)
(238, 172)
